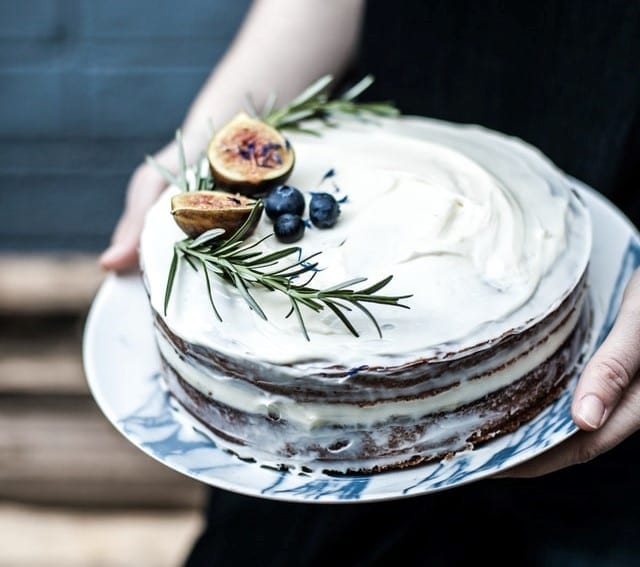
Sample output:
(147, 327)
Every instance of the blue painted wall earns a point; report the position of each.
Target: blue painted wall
(87, 88)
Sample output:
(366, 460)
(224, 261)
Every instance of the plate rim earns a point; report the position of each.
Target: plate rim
(101, 398)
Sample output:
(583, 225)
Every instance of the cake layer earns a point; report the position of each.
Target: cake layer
(426, 386)
(398, 440)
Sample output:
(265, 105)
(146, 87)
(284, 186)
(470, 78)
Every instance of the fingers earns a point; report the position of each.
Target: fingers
(606, 402)
(612, 368)
(585, 446)
(122, 254)
(144, 188)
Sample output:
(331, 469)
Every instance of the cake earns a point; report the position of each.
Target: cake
(485, 236)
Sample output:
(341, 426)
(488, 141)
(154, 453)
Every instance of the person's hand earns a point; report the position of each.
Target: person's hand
(145, 186)
(279, 70)
(606, 402)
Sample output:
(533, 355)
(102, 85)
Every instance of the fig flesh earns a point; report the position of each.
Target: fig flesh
(249, 156)
(196, 212)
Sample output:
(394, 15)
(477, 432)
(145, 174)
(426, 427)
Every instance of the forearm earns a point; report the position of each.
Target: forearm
(282, 46)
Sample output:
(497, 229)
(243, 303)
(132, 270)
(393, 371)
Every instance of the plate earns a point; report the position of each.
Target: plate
(122, 369)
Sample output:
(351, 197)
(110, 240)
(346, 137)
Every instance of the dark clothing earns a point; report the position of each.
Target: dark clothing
(588, 515)
(565, 77)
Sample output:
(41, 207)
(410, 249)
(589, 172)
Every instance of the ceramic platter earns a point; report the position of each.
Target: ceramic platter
(122, 368)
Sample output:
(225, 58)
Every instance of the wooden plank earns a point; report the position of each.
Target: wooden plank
(41, 354)
(58, 537)
(48, 283)
(51, 373)
(51, 365)
(62, 450)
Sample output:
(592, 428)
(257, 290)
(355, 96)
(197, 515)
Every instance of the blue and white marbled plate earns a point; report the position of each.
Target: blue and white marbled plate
(122, 369)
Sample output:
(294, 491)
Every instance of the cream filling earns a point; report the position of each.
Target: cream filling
(308, 416)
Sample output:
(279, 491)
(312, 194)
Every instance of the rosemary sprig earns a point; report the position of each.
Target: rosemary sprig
(312, 103)
(200, 178)
(315, 103)
(245, 268)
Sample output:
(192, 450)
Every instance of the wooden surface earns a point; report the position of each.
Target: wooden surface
(64, 469)
(41, 354)
(33, 536)
(61, 450)
(41, 284)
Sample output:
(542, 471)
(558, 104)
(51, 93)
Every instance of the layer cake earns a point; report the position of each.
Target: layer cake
(484, 233)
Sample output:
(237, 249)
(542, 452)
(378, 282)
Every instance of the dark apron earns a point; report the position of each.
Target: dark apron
(564, 76)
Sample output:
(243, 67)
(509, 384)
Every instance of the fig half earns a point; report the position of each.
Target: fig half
(249, 156)
(196, 212)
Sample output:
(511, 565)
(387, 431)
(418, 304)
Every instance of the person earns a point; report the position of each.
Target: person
(564, 76)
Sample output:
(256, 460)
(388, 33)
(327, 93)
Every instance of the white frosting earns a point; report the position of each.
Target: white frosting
(482, 230)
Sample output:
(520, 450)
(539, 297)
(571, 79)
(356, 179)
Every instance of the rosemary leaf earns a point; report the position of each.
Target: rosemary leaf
(170, 280)
(274, 256)
(303, 265)
(296, 310)
(269, 104)
(340, 315)
(357, 89)
(213, 268)
(251, 106)
(183, 161)
(244, 228)
(241, 286)
(210, 234)
(209, 291)
(312, 90)
(295, 117)
(309, 302)
(314, 103)
(243, 259)
(300, 130)
(344, 285)
(370, 317)
(379, 108)
(168, 176)
(291, 271)
(204, 179)
(191, 263)
(379, 299)
(377, 286)
(256, 243)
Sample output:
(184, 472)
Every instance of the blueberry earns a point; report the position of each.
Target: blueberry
(283, 199)
(323, 210)
(288, 228)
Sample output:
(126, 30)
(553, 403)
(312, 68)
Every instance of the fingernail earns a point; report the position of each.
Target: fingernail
(591, 411)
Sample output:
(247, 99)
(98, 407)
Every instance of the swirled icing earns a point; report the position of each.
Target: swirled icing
(482, 230)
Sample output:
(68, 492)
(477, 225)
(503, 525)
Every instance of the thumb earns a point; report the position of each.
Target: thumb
(611, 369)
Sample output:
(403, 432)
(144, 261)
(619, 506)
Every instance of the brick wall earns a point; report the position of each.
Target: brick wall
(87, 88)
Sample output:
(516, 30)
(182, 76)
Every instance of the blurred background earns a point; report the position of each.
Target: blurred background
(87, 88)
